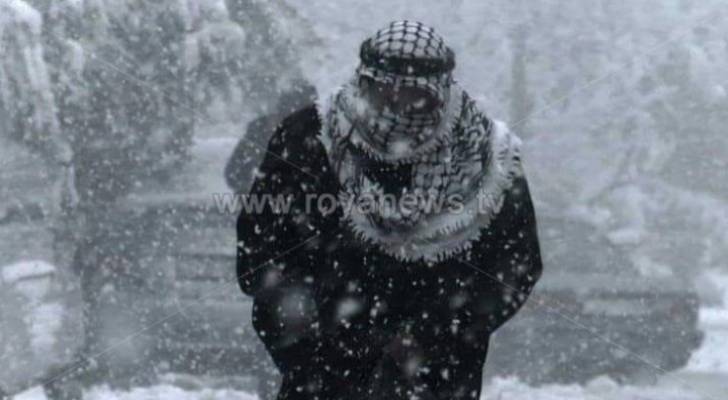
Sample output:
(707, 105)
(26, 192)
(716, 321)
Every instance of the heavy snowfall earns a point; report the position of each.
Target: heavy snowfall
(117, 118)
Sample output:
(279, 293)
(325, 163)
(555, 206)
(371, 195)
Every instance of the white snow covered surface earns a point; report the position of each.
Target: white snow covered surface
(506, 388)
(712, 357)
(704, 378)
(599, 389)
(160, 392)
(25, 269)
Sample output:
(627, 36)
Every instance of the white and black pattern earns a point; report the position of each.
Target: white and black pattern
(454, 155)
(408, 48)
(406, 54)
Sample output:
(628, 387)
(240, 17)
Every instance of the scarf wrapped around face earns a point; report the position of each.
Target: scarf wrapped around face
(420, 187)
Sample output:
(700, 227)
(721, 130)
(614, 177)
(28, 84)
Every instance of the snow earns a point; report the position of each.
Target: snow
(45, 328)
(599, 389)
(45, 322)
(43, 319)
(570, 156)
(165, 392)
(20, 11)
(26, 269)
(20, 38)
(159, 392)
(712, 358)
(703, 379)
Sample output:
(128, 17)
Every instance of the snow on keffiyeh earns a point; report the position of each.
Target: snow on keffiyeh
(454, 168)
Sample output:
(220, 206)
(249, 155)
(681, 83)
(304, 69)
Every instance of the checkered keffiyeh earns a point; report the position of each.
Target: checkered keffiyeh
(405, 54)
(408, 48)
(453, 151)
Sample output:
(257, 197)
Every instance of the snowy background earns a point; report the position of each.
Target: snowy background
(621, 106)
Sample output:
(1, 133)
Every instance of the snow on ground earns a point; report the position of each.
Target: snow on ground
(25, 269)
(705, 378)
(712, 357)
(499, 389)
(599, 389)
(159, 392)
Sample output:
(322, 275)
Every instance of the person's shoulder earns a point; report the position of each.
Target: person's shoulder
(303, 121)
(298, 128)
(503, 138)
(297, 141)
(518, 193)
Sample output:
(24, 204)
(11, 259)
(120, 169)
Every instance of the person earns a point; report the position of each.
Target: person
(363, 299)
(248, 153)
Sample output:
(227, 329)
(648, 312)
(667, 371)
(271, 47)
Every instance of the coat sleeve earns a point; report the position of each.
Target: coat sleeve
(235, 168)
(248, 153)
(508, 257)
(274, 243)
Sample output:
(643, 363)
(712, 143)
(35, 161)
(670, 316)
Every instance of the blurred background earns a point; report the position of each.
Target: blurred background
(117, 118)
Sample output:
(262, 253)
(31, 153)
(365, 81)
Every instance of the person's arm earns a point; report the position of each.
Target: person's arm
(508, 257)
(246, 155)
(277, 245)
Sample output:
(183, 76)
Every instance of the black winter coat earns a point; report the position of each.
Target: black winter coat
(340, 316)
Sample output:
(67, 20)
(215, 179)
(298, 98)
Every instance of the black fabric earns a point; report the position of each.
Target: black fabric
(393, 177)
(248, 153)
(362, 318)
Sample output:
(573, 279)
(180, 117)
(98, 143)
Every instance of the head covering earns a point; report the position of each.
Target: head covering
(300, 94)
(404, 55)
(452, 163)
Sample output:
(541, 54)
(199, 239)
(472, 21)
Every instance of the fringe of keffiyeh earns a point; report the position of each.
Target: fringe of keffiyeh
(453, 233)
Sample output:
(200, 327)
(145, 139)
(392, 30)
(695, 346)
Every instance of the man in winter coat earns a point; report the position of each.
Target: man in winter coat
(357, 297)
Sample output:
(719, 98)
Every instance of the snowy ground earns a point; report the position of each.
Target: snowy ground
(704, 378)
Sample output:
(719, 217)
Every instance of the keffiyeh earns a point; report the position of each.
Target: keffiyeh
(420, 186)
